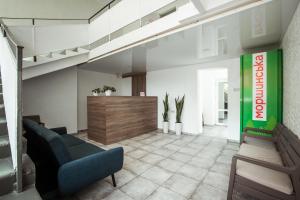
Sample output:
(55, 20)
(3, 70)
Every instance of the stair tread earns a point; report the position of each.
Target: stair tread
(4, 140)
(6, 167)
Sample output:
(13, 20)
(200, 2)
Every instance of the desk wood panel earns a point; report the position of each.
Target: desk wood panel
(112, 119)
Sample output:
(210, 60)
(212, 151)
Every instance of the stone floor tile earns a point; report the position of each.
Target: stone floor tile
(205, 163)
(137, 153)
(180, 143)
(149, 140)
(118, 195)
(221, 168)
(181, 184)
(181, 157)
(170, 165)
(157, 175)
(217, 180)
(172, 147)
(208, 192)
(128, 160)
(208, 153)
(152, 158)
(232, 147)
(122, 177)
(165, 194)
(189, 151)
(229, 152)
(139, 188)
(137, 167)
(98, 190)
(162, 142)
(142, 137)
(196, 146)
(204, 140)
(149, 148)
(164, 152)
(127, 149)
(224, 159)
(193, 172)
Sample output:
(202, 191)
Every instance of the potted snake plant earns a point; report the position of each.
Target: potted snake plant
(166, 114)
(179, 107)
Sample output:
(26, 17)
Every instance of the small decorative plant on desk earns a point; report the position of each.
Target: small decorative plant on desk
(166, 114)
(96, 92)
(179, 107)
(108, 90)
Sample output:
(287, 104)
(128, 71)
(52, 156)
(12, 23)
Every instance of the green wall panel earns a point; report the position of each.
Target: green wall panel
(273, 90)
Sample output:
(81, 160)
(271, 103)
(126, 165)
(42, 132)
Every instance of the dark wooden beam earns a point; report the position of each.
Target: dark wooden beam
(126, 75)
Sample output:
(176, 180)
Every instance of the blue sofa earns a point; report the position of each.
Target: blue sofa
(64, 163)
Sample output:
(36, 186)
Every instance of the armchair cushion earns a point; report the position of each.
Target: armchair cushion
(260, 143)
(83, 150)
(264, 176)
(267, 177)
(268, 155)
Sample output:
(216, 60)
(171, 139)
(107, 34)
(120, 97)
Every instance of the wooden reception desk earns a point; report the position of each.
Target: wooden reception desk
(115, 118)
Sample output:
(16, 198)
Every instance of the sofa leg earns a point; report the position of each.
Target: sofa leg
(113, 180)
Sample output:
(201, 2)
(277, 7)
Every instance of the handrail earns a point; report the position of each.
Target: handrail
(108, 5)
(7, 34)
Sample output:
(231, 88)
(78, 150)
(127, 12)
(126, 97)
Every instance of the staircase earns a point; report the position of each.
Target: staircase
(7, 171)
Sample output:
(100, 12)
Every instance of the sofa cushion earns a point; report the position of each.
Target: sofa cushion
(260, 143)
(268, 155)
(264, 176)
(70, 140)
(83, 150)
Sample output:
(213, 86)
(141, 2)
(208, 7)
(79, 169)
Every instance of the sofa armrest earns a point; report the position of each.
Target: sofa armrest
(76, 174)
(283, 169)
(60, 130)
(247, 129)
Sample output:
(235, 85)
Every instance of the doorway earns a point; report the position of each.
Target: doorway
(213, 101)
(222, 102)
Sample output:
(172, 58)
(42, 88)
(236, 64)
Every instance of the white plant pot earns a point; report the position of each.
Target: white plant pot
(165, 127)
(178, 127)
(108, 93)
(95, 94)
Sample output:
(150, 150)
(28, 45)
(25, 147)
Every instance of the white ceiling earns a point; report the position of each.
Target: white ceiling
(58, 9)
(186, 47)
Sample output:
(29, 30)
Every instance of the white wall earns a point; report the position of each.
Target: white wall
(291, 74)
(87, 81)
(125, 86)
(183, 81)
(60, 97)
(9, 85)
(54, 97)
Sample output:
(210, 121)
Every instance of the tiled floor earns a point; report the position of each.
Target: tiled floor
(167, 167)
(218, 131)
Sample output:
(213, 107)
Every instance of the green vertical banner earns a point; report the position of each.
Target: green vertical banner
(261, 90)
